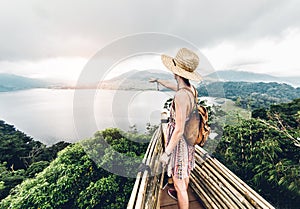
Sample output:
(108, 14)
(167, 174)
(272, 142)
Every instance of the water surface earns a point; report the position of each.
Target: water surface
(48, 115)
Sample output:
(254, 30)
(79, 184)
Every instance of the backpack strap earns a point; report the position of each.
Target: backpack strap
(195, 97)
(188, 89)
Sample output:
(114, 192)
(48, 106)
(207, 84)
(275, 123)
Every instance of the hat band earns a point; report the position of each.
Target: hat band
(182, 66)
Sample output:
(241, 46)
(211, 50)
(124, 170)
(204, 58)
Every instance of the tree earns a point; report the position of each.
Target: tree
(9, 179)
(265, 158)
(74, 180)
(14, 146)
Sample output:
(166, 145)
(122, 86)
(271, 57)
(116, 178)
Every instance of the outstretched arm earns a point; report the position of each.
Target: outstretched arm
(166, 83)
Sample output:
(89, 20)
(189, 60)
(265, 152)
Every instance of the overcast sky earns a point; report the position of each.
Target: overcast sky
(55, 39)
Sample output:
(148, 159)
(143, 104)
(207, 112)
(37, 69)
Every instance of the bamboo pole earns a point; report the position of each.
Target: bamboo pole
(256, 196)
(154, 179)
(160, 187)
(202, 178)
(164, 124)
(134, 192)
(141, 195)
(153, 188)
(254, 199)
(231, 192)
(231, 185)
(212, 189)
(242, 195)
(133, 196)
(201, 191)
(223, 180)
(147, 188)
(154, 185)
(221, 196)
(160, 172)
(219, 192)
(204, 183)
(227, 193)
(232, 179)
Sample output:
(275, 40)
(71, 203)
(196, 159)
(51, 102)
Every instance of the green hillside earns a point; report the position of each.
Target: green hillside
(265, 152)
(73, 180)
(236, 76)
(21, 157)
(10, 82)
(251, 95)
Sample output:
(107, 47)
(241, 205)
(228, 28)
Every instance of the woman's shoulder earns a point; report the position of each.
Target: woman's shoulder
(181, 94)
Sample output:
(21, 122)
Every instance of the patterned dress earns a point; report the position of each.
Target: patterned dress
(182, 159)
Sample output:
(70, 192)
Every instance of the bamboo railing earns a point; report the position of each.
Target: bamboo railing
(214, 184)
(218, 187)
(148, 184)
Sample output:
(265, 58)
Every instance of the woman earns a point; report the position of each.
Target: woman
(178, 155)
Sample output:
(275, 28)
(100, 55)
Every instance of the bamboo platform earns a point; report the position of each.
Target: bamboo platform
(212, 185)
(166, 202)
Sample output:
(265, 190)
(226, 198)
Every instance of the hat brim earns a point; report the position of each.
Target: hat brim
(168, 62)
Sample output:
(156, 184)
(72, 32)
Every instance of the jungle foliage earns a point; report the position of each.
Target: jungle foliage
(251, 95)
(22, 157)
(265, 152)
(74, 180)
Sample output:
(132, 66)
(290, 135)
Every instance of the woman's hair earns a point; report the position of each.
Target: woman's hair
(186, 81)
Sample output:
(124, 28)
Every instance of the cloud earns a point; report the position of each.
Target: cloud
(40, 31)
(67, 28)
(58, 69)
(268, 55)
(43, 29)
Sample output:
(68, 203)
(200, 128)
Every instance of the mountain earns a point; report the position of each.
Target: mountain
(138, 80)
(135, 79)
(232, 75)
(251, 94)
(10, 82)
(143, 75)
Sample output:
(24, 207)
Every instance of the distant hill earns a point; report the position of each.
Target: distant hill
(249, 94)
(10, 82)
(137, 80)
(232, 75)
(143, 75)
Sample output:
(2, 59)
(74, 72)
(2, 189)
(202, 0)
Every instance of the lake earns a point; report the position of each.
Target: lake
(52, 115)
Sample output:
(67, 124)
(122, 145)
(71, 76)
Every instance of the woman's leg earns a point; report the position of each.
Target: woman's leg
(181, 187)
(187, 180)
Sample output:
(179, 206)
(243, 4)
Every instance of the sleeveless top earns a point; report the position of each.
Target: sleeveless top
(182, 159)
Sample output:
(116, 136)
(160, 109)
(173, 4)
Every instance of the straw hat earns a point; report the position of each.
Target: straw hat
(184, 64)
